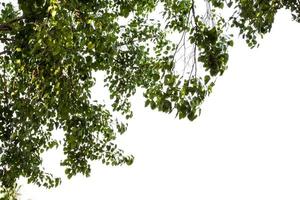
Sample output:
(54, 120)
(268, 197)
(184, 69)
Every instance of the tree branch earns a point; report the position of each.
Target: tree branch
(16, 20)
(6, 26)
(5, 52)
(6, 39)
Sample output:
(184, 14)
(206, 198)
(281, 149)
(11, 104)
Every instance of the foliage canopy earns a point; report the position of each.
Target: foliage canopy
(51, 49)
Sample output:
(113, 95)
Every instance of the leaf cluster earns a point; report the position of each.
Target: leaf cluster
(52, 48)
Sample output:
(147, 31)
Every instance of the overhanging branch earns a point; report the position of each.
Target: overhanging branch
(5, 52)
(7, 25)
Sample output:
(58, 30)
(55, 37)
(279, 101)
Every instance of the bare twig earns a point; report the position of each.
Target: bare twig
(195, 59)
(177, 48)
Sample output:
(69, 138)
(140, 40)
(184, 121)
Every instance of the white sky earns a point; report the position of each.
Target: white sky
(245, 146)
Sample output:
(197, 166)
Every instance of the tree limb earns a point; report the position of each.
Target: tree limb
(16, 20)
(6, 39)
(6, 26)
(5, 52)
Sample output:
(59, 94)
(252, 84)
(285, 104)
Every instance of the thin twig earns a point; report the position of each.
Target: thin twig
(195, 59)
(177, 48)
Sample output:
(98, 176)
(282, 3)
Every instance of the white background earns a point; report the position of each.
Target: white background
(245, 146)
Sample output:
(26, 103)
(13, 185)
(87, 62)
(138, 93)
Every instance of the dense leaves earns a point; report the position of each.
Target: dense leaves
(52, 49)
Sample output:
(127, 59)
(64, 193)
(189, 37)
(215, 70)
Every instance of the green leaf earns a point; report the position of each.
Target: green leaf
(206, 79)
